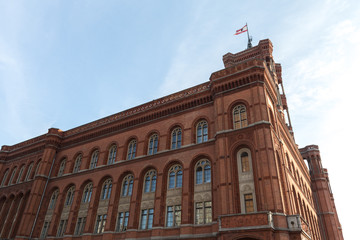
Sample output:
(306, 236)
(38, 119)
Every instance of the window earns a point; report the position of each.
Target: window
(70, 196)
(127, 186)
(27, 177)
(131, 150)
(100, 223)
(150, 181)
(173, 217)
(176, 138)
(62, 228)
(201, 132)
(20, 174)
(62, 168)
(147, 216)
(79, 229)
(53, 199)
(112, 155)
(153, 144)
(203, 172)
(203, 212)
(4, 177)
(122, 221)
(239, 117)
(175, 177)
(12, 176)
(106, 189)
(87, 193)
(37, 169)
(45, 229)
(249, 203)
(94, 159)
(77, 164)
(245, 165)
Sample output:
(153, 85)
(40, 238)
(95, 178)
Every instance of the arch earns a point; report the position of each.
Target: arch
(127, 185)
(202, 131)
(94, 158)
(106, 189)
(77, 162)
(87, 192)
(61, 167)
(152, 143)
(4, 178)
(232, 106)
(131, 149)
(176, 137)
(175, 176)
(150, 179)
(112, 152)
(21, 171)
(194, 125)
(203, 171)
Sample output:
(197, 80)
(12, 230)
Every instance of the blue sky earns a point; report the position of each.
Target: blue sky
(66, 63)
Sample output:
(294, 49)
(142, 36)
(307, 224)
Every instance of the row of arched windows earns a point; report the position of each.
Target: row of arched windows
(17, 175)
(239, 116)
(202, 172)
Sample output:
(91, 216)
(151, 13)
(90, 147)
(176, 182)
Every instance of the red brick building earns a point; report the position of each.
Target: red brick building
(215, 161)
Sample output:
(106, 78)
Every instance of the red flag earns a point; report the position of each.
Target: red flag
(241, 30)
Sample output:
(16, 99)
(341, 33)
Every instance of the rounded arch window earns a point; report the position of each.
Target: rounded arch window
(112, 154)
(127, 185)
(203, 171)
(12, 176)
(239, 116)
(201, 132)
(27, 177)
(87, 193)
(150, 181)
(106, 189)
(53, 199)
(70, 196)
(175, 176)
(77, 164)
(131, 149)
(62, 167)
(20, 174)
(153, 144)
(94, 159)
(176, 138)
(4, 177)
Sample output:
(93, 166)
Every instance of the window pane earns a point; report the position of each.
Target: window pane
(199, 175)
(147, 184)
(179, 179)
(207, 177)
(130, 187)
(143, 219)
(125, 188)
(170, 217)
(150, 218)
(172, 180)
(153, 183)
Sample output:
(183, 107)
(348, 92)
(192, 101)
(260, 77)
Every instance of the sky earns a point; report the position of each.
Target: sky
(66, 63)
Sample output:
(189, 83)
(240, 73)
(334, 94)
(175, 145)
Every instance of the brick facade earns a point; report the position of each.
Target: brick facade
(215, 161)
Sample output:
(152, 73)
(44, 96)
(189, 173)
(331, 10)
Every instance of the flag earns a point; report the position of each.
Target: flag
(241, 30)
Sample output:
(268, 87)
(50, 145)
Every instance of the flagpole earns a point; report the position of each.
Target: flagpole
(249, 39)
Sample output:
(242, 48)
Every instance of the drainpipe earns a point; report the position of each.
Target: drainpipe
(42, 196)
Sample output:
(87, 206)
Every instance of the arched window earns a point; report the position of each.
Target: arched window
(87, 193)
(70, 196)
(127, 185)
(150, 181)
(37, 168)
(176, 138)
(53, 199)
(131, 149)
(106, 189)
(201, 132)
(20, 174)
(94, 159)
(239, 117)
(4, 177)
(153, 144)
(175, 177)
(12, 176)
(112, 155)
(77, 164)
(27, 177)
(245, 165)
(62, 168)
(203, 171)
